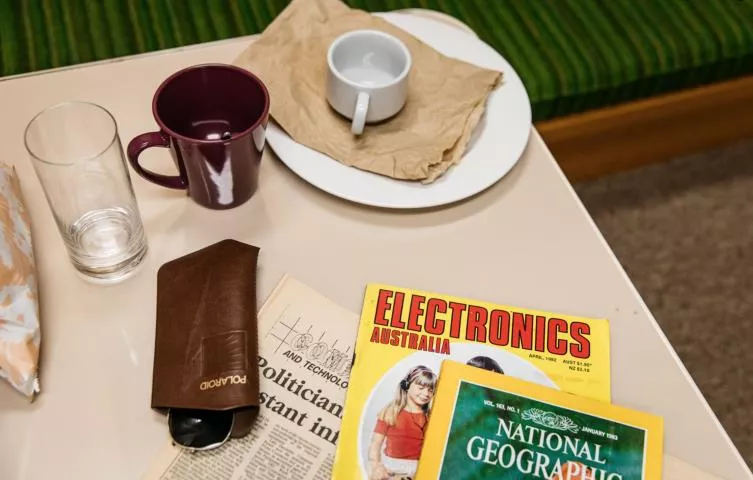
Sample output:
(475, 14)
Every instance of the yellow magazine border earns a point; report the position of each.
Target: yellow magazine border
(443, 409)
(603, 370)
(583, 375)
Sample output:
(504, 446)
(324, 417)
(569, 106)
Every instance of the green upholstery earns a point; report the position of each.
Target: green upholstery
(573, 55)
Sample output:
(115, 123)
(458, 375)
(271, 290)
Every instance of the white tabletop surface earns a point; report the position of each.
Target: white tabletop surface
(527, 241)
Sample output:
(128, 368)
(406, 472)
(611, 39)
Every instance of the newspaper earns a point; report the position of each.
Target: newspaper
(305, 354)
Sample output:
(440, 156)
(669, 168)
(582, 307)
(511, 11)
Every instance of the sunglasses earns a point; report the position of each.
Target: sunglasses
(197, 430)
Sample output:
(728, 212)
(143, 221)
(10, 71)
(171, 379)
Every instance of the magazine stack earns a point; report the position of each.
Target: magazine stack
(452, 388)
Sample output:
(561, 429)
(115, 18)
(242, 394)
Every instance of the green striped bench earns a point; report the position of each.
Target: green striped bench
(573, 55)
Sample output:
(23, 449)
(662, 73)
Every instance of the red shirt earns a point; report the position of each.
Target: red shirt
(404, 439)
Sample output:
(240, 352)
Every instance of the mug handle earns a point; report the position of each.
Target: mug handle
(359, 116)
(141, 143)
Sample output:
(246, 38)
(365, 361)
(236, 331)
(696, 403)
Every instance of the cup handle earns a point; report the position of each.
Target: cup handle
(141, 143)
(359, 116)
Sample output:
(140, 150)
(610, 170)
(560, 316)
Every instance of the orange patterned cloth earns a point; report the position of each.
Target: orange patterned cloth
(19, 312)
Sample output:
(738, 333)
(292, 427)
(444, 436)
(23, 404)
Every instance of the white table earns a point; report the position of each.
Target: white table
(527, 241)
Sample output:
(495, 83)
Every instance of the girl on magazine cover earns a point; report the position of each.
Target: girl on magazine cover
(400, 427)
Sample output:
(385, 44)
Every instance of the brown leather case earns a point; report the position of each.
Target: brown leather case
(206, 342)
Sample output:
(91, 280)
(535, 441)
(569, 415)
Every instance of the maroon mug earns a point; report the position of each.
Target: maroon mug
(213, 119)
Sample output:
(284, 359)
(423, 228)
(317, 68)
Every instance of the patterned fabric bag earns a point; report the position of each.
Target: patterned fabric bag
(19, 312)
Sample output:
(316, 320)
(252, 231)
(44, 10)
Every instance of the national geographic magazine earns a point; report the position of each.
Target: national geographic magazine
(403, 337)
(484, 425)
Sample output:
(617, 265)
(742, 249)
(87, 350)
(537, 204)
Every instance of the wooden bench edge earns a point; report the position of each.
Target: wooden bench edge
(608, 140)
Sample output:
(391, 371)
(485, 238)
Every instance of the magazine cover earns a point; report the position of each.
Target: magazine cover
(403, 337)
(485, 426)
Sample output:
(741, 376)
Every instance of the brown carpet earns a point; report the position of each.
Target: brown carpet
(684, 232)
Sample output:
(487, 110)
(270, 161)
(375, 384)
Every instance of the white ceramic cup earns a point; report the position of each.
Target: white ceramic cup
(368, 76)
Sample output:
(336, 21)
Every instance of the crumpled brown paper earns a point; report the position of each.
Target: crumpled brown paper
(19, 313)
(446, 97)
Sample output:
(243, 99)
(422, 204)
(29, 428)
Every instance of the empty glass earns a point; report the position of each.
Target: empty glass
(78, 158)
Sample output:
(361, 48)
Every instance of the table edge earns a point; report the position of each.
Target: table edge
(535, 136)
(644, 306)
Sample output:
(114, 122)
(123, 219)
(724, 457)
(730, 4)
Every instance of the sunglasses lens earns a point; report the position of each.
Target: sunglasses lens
(199, 429)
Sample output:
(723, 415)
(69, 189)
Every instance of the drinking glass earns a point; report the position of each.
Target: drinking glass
(78, 158)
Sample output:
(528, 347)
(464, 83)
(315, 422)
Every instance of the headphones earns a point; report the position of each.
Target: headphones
(412, 374)
(404, 384)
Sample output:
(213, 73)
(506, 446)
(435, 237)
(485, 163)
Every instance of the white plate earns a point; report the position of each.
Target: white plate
(497, 143)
